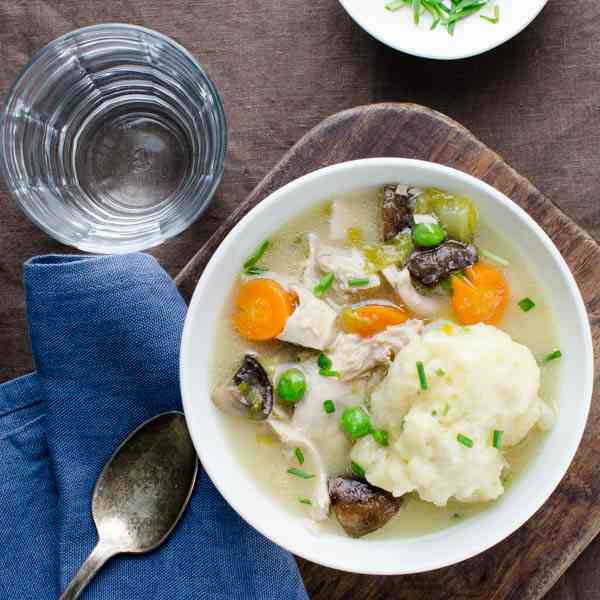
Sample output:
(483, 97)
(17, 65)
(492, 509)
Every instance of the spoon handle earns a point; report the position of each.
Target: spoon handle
(93, 563)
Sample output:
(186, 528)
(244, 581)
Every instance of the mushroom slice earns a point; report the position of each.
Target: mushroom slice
(361, 508)
(395, 210)
(431, 266)
(291, 436)
(249, 395)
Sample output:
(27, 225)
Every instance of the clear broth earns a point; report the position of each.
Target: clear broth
(268, 461)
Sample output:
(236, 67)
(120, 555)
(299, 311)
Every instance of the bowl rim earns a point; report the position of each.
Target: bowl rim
(439, 56)
(312, 554)
(223, 138)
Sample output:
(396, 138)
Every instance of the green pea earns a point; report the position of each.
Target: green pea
(291, 386)
(356, 422)
(428, 235)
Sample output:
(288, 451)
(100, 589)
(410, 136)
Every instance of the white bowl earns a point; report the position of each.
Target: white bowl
(472, 36)
(389, 556)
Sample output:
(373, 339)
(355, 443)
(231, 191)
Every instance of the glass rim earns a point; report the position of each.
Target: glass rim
(219, 157)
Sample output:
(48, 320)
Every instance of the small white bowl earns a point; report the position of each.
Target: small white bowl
(388, 556)
(472, 35)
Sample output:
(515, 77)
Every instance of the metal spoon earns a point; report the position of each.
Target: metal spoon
(140, 494)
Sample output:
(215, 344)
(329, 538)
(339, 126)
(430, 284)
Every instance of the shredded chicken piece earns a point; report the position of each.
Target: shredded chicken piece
(345, 264)
(228, 398)
(352, 355)
(310, 418)
(420, 305)
(312, 324)
(342, 219)
(291, 436)
(311, 270)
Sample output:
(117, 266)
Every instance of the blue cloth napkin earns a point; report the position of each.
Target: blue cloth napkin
(105, 335)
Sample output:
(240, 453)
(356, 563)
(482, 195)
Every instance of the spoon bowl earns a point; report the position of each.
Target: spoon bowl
(141, 493)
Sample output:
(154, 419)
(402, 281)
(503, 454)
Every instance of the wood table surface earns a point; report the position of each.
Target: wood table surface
(282, 67)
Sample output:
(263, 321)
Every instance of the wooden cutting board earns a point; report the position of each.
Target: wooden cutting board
(527, 564)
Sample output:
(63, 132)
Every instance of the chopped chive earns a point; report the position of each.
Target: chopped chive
(305, 501)
(328, 373)
(381, 437)
(255, 271)
(526, 304)
(440, 372)
(300, 473)
(359, 282)
(357, 469)
(416, 11)
(464, 440)
(553, 356)
(329, 406)
(323, 285)
(324, 361)
(495, 19)
(493, 257)
(395, 5)
(497, 439)
(446, 409)
(457, 516)
(422, 376)
(299, 455)
(255, 257)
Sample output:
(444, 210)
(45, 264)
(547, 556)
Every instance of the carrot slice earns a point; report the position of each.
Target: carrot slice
(371, 319)
(482, 297)
(262, 309)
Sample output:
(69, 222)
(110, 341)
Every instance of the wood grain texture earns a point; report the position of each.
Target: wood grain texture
(527, 564)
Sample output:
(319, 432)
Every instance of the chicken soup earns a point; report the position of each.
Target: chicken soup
(386, 362)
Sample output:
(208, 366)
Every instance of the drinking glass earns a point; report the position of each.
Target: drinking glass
(113, 138)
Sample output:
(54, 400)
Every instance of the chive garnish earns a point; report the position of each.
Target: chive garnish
(300, 473)
(305, 501)
(394, 5)
(422, 376)
(328, 373)
(255, 270)
(464, 440)
(553, 356)
(446, 409)
(495, 19)
(440, 372)
(329, 406)
(359, 282)
(323, 285)
(299, 455)
(442, 14)
(254, 258)
(325, 365)
(357, 469)
(497, 439)
(483, 252)
(526, 304)
(381, 437)
(324, 361)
